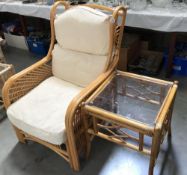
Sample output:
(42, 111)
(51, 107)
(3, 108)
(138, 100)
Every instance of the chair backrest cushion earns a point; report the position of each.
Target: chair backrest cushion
(83, 29)
(77, 67)
(83, 42)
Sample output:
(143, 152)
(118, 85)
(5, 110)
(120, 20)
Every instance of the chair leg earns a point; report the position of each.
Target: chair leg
(73, 158)
(88, 149)
(87, 136)
(19, 135)
(68, 151)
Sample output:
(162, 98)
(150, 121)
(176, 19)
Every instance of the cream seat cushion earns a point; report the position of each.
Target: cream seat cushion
(41, 112)
(77, 67)
(83, 29)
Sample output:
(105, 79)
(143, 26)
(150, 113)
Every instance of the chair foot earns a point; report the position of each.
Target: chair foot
(73, 160)
(19, 135)
(76, 169)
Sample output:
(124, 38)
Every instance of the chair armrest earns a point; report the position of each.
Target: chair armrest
(83, 95)
(86, 92)
(75, 129)
(21, 83)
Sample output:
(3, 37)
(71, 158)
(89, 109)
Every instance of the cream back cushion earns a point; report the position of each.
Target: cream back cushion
(83, 42)
(83, 29)
(77, 67)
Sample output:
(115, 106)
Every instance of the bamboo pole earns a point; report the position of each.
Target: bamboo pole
(125, 144)
(131, 124)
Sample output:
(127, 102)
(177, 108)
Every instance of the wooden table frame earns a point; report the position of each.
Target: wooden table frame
(94, 118)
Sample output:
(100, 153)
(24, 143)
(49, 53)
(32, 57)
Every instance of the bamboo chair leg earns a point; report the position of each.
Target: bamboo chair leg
(73, 157)
(19, 135)
(87, 136)
(69, 154)
(88, 145)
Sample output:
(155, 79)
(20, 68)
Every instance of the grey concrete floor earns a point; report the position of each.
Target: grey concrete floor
(106, 158)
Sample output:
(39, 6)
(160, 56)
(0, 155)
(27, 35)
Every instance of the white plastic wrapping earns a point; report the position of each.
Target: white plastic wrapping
(159, 19)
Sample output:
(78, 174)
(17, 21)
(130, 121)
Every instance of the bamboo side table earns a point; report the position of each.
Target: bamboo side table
(127, 103)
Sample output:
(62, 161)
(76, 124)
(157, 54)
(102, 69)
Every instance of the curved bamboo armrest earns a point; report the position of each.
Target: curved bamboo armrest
(74, 119)
(21, 83)
(77, 101)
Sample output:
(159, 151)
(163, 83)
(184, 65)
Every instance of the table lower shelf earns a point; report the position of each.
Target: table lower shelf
(120, 142)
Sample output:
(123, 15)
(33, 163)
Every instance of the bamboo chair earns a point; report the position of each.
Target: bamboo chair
(26, 82)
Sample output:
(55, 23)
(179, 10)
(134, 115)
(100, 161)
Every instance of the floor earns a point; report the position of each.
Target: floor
(106, 158)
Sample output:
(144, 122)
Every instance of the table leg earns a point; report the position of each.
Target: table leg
(171, 53)
(154, 150)
(170, 118)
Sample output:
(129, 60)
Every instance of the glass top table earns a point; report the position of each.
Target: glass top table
(132, 98)
(127, 109)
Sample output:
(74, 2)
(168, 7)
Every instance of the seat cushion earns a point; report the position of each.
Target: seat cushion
(41, 112)
(83, 29)
(77, 67)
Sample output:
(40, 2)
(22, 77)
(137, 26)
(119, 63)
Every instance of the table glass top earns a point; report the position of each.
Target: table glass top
(132, 98)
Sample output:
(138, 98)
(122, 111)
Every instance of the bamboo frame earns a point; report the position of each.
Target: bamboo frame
(21, 83)
(5, 73)
(2, 57)
(162, 123)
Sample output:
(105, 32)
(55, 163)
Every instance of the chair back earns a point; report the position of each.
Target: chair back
(86, 41)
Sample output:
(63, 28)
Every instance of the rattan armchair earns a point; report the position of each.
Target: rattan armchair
(26, 82)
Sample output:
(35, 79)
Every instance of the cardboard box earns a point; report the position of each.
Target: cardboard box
(148, 63)
(16, 41)
(144, 45)
(129, 50)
